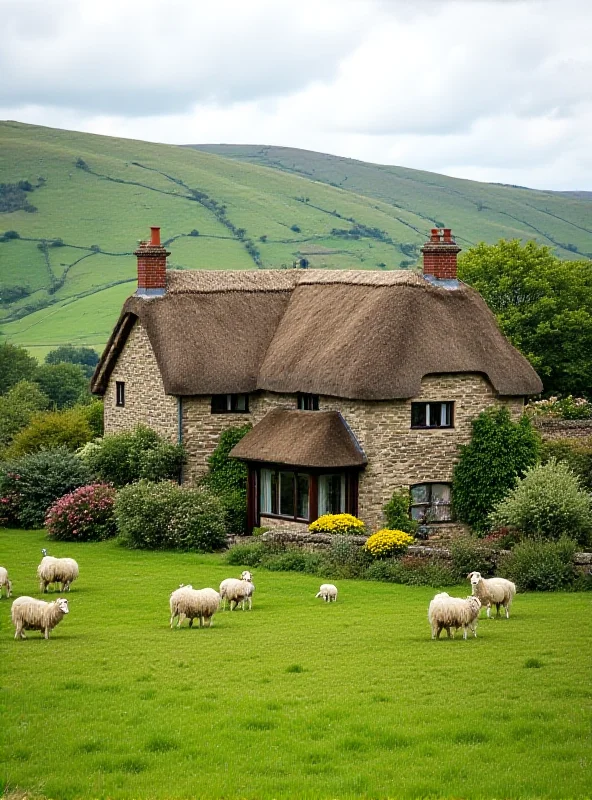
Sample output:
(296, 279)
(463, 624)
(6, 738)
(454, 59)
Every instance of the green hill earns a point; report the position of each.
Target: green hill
(73, 205)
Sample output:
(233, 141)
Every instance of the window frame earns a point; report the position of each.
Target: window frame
(120, 394)
(227, 403)
(448, 404)
(430, 503)
(307, 402)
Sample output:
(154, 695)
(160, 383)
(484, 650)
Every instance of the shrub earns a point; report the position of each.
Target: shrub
(500, 451)
(226, 474)
(94, 416)
(338, 523)
(412, 571)
(576, 453)
(563, 408)
(248, 555)
(17, 407)
(345, 559)
(234, 504)
(64, 384)
(541, 566)
(470, 554)
(387, 543)
(35, 481)
(549, 503)
(84, 515)
(396, 512)
(123, 458)
(47, 429)
(163, 515)
(293, 560)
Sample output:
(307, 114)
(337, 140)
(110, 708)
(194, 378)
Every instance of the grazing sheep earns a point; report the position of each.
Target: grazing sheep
(56, 570)
(246, 576)
(493, 590)
(37, 615)
(189, 603)
(5, 581)
(449, 613)
(328, 592)
(236, 592)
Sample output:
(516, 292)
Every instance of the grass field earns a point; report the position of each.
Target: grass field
(295, 699)
(96, 196)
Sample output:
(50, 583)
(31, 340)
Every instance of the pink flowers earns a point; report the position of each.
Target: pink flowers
(86, 514)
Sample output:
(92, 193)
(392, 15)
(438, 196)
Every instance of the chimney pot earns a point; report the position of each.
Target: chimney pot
(155, 237)
(439, 255)
(152, 257)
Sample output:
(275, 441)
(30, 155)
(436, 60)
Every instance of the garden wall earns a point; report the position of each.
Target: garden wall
(563, 428)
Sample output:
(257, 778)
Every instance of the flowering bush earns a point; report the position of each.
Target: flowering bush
(387, 542)
(338, 523)
(84, 515)
(562, 407)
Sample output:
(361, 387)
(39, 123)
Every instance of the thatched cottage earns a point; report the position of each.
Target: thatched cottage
(356, 382)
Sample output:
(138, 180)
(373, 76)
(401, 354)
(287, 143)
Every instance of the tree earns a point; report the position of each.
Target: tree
(543, 305)
(49, 429)
(15, 365)
(16, 408)
(64, 384)
(500, 451)
(86, 357)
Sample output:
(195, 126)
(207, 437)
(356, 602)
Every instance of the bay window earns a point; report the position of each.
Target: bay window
(305, 495)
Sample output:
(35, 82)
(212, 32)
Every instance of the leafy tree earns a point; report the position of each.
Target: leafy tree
(542, 304)
(500, 451)
(47, 429)
(64, 384)
(16, 408)
(15, 365)
(86, 357)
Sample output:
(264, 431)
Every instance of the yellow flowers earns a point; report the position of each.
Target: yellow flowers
(388, 543)
(337, 523)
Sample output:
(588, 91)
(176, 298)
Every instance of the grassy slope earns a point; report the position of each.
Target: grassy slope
(76, 293)
(135, 710)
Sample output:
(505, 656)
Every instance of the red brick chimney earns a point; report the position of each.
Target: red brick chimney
(152, 258)
(439, 255)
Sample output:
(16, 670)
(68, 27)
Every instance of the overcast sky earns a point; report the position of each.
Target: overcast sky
(493, 90)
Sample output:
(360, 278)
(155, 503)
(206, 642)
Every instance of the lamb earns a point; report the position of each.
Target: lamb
(328, 592)
(5, 581)
(37, 615)
(56, 570)
(237, 592)
(449, 613)
(493, 590)
(189, 603)
(246, 576)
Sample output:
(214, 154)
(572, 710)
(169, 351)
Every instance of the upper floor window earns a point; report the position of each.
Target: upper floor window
(308, 402)
(230, 404)
(432, 415)
(119, 393)
(431, 502)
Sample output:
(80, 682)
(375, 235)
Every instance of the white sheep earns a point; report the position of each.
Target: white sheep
(328, 592)
(5, 581)
(37, 615)
(493, 590)
(189, 603)
(246, 576)
(449, 613)
(237, 592)
(56, 570)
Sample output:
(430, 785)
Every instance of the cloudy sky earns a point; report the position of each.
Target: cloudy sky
(494, 90)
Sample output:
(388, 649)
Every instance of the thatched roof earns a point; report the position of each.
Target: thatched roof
(351, 334)
(301, 439)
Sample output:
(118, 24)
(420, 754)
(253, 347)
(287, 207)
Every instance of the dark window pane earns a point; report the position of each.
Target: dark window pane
(418, 513)
(274, 492)
(219, 403)
(265, 491)
(308, 402)
(440, 492)
(331, 494)
(420, 493)
(435, 413)
(302, 486)
(240, 403)
(418, 415)
(287, 494)
(120, 393)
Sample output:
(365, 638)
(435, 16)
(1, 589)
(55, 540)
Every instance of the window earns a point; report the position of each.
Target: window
(284, 493)
(308, 402)
(230, 404)
(431, 502)
(119, 393)
(332, 494)
(432, 415)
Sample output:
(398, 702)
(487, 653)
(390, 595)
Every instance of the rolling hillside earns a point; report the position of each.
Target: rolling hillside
(73, 206)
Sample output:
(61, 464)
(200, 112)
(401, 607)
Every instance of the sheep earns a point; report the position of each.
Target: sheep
(246, 576)
(493, 590)
(236, 592)
(56, 570)
(5, 581)
(189, 603)
(328, 592)
(37, 615)
(446, 613)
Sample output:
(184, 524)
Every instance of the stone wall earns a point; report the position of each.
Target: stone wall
(551, 428)
(145, 399)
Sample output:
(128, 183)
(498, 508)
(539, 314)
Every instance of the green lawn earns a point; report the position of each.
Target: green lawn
(295, 699)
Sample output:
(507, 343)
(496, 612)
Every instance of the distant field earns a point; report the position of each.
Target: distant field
(296, 699)
(63, 279)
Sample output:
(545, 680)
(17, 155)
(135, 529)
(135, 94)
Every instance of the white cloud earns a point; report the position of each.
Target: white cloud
(487, 89)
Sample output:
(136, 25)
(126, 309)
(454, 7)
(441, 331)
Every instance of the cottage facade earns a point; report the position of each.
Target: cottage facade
(356, 383)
